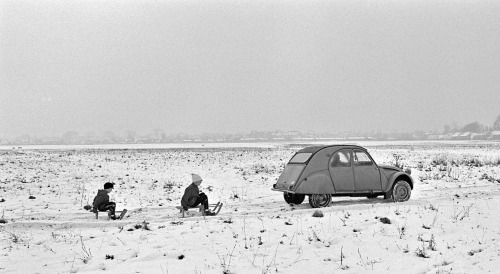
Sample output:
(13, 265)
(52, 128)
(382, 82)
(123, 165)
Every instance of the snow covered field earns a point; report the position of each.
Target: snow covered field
(450, 224)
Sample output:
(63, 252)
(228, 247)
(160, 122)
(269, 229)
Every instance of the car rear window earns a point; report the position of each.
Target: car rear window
(300, 158)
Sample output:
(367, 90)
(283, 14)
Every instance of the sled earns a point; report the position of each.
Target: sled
(122, 214)
(201, 208)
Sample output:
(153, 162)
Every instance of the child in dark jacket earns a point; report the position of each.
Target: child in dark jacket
(193, 197)
(102, 203)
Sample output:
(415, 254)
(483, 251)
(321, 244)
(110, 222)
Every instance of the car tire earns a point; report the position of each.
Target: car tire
(295, 199)
(320, 200)
(401, 191)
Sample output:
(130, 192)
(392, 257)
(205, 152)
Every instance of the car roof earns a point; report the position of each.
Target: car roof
(314, 149)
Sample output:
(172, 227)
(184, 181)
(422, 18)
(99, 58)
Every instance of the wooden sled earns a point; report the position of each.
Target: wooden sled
(122, 214)
(201, 208)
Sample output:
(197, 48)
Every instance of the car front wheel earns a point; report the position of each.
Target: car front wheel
(320, 200)
(401, 191)
(295, 199)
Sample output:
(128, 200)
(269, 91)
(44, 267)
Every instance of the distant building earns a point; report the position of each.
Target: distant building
(456, 136)
(291, 135)
(447, 136)
(495, 135)
(479, 136)
(433, 137)
(464, 136)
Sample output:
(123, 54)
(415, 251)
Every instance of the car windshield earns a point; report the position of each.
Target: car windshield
(300, 158)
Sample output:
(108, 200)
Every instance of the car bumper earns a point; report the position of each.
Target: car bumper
(282, 189)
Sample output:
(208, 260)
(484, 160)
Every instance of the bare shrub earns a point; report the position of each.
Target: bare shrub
(462, 214)
(86, 255)
(432, 243)
(397, 161)
(441, 159)
(422, 252)
(401, 230)
(225, 261)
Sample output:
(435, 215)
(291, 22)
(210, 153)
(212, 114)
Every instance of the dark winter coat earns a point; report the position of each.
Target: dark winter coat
(190, 195)
(102, 197)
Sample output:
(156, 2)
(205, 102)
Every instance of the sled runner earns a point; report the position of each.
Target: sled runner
(201, 208)
(122, 214)
(217, 208)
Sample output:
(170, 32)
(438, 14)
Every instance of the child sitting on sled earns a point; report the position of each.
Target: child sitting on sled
(102, 203)
(193, 197)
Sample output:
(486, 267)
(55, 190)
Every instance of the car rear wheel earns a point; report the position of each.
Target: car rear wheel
(296, 199)
(320, 200)
(401, 191)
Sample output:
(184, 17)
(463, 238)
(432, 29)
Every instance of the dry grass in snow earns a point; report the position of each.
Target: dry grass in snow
(450, 225)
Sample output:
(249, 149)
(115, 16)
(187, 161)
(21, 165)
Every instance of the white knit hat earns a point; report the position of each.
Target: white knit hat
(196, 178)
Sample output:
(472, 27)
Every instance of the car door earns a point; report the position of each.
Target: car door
(366, 172)
(340, 167)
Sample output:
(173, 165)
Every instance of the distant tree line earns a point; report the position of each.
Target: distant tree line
(472, 127)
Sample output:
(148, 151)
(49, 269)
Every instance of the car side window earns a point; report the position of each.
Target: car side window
(362, 159)
(341, 159)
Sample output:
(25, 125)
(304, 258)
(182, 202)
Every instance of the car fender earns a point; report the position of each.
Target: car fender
(399, 175)
(318, 182)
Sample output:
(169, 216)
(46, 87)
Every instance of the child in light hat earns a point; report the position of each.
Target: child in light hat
(193, 197)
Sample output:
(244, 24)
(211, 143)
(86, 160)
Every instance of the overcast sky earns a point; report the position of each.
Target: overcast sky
(235, 66)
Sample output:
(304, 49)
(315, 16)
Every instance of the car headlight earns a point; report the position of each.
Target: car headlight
(408, 171)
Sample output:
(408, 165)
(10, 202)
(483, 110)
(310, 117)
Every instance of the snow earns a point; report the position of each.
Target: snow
(450, 224)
